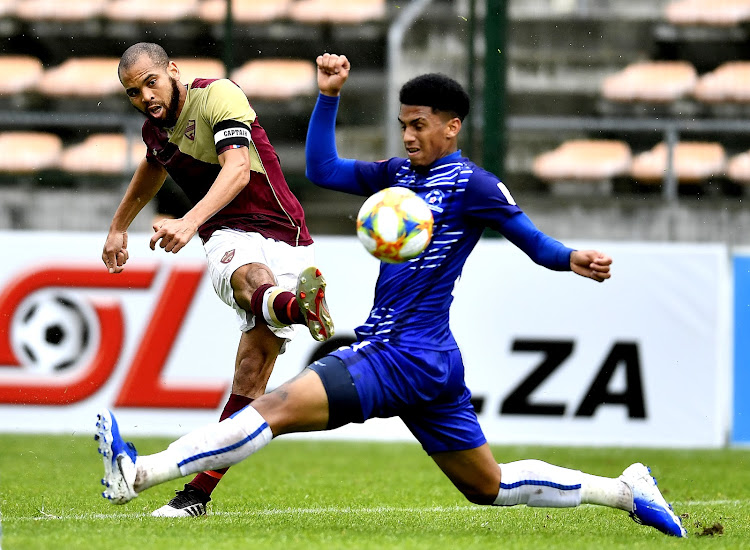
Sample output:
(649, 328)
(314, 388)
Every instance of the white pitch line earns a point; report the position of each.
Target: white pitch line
(273, 512)
(45, 516)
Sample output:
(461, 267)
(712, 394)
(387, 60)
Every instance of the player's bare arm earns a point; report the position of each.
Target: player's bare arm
(147, 180)
(333, 70)
(591, 263)
(173, 235)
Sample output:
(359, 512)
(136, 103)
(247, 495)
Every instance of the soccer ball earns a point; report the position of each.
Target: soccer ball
(394, 225)
(50, 333)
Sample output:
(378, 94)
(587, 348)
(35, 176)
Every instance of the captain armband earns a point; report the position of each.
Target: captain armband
(230, 134)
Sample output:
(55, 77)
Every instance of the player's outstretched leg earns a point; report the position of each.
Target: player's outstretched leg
(119, 460)
(311, 298)
(192, 501)
(126, 474)
(649, 506)
(538, 484)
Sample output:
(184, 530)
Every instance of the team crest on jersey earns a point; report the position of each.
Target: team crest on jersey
(228, 255)
(434, 200)
(190, 130)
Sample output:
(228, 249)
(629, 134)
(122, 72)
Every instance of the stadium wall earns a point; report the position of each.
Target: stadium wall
(641, 360)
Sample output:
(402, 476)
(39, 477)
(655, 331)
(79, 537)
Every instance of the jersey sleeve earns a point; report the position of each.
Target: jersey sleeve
(229, 113)
(374, 176)
(489, 203)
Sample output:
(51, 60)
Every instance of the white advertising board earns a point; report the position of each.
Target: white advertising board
(552, 358)
(640, 360)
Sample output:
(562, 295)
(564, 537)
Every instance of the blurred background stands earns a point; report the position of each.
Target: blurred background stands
(594, 87)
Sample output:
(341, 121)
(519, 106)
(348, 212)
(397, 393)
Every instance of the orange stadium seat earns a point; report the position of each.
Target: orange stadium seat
(738, 168)
(192, 68)
(694, 162)
(584, 159)
(80, 10)
(729, 82)
(243, 11)
(7, 7)
(276, 78)
(25, 70)
(337, 11)
(81, 77)
(102, 154)
(652, 81)
(150, 11)
(25, 152)
(718, 13)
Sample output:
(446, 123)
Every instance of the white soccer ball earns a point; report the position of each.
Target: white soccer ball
(395, 225)
(50, 333)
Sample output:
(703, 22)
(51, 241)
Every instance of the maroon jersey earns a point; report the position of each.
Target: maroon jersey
(217, 116)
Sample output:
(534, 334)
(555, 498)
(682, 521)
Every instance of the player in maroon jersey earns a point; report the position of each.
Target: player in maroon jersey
(206, 136)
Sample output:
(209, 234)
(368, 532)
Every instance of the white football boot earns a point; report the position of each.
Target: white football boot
(649, 506)
(188, 502)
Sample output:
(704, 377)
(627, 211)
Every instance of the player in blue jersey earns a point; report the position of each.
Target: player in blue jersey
(405, 362)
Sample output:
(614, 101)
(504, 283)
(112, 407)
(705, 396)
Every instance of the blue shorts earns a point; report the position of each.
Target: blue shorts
(425, 388)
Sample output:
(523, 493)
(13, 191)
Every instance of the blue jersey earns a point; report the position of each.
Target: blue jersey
(412, 299)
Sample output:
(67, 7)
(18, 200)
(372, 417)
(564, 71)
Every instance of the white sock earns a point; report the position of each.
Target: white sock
(606, 491)
(537, 483)
(207, 448)
(154, 469)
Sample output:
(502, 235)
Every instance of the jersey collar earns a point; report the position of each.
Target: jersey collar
(447, 159)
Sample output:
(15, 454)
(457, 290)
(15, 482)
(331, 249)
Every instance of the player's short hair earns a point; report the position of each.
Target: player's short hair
(437, 91)
(154, 52)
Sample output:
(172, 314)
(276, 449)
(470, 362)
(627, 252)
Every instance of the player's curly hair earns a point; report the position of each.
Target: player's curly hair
(437, 91)
(155, 53)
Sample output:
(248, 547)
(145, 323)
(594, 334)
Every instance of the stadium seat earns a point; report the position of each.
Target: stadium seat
(651, 81)
(81, 77)
(694, 162)
(192, 68)
(738, 168)
(730, 82)
(150, 11)
(25, 152)
(276, 78)
(717, 13)
(243, 11)
(7, 7)
(26, 71)
(80, 10)
(583, 159)
(102, 154)
(337, 11)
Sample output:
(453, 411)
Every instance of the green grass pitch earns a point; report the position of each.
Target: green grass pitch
(329, 495)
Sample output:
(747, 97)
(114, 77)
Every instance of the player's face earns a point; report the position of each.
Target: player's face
(428, 136)
(154, 91)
